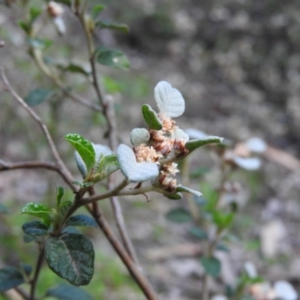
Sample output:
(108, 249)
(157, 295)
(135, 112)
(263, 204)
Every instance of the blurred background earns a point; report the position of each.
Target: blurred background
(237, 64)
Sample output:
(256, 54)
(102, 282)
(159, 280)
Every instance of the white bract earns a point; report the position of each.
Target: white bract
(139, 136)
(169, 100)
(285, 290)
(132, 170)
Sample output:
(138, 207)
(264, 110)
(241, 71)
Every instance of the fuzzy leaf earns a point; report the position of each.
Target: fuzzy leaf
(168, 99)
(112, 58)
(71, 256)
(174, 196)
(38, 96)
(132, 170)
(139, 136)
(198, 233)
(211, 265)
(37, 210)
(76, 68)
(35, 228)
(68, 292)
(81, 220)
(59, 195)
(63, 209)
(179, 215)
(247, 163)
(96, 10)
(106, 165)
(194, 144)
(9, 278)
(84, 148)
(151, 117)
(181, 188)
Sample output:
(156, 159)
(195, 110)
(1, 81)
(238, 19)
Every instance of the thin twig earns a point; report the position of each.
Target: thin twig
(37, 271)
(7, 166)
(109, 113)
(131, 266)
(38, 120)
(22, 293)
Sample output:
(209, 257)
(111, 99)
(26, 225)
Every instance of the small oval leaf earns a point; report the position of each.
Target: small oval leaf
(168, 99)
(211, 265)
(132, 170)
(106, 166)
(115, 26)
(151, 117)
(112, 58)
(194, 144)
(179, 215)
(38, 96)
(83, 147)
(71, 256)
(68, 292)
(139, 136)
(81, 220)
(9, 278)
(37, 210)
(35, 228)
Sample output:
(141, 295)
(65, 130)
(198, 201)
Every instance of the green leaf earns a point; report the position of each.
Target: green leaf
(34, 13)
(26, 268)
(63, 209)
(27, 238)
(66, 2)
(135, 171)
(179, 215)
(3, 209)
(96, 10)
(181, 188)
(211, 265)
(35, 228)
(83, 147)
(173, 196)
(194, 144)
(38, 96)
(151, 117)
(115, 26)
(222, 220)
(71, 256)
(68, 292)
(75, 68)
(81, 220)
(112, 58)
(25, 26)
(37, 210)
(59, 195)
(106, 165)
(9, 278)
(198, 233)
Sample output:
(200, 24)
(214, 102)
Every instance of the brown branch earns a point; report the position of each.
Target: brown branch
(43, 127)
(128, 262)
(7, 166)
(22, 293)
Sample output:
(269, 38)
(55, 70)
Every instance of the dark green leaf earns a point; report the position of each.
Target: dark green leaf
(71, 256)
(211, 265)
(83, 147)
(222, 247)
(37, 210)
(194, 144)
(66, 2)
(114, 26)
(35, 228)
(112, 58)
(96, 10)
(68, 292)
(3, 209)
(179, 215)
(74, 68)
(59, 195)
(105, 166)
(222, 220)
(174, 196)
(9, 278)
(70, 229)
(198, 233)
(27, 238)
(38, 96)
(151, 117)
(25, 26)
(81, 220)
(26, 268)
